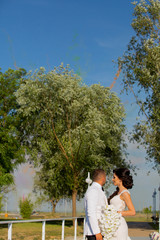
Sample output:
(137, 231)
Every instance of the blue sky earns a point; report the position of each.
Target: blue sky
(88, 35)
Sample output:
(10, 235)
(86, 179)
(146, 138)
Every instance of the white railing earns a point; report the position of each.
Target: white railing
(10, 223)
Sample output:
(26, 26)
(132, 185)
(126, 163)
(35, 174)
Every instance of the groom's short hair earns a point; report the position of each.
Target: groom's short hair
(98, 174)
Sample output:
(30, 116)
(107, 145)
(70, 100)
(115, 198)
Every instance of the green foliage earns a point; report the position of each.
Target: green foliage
(1, 205)
(26, 207)
(5, 179)
(50, 182)
(141, 74)
(147, 210)
(70, 129)
(10, 147)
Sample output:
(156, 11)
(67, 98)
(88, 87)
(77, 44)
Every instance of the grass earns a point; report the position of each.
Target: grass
(33, 231)
(139, 217)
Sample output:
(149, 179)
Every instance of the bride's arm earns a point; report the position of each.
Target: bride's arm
(131, 210)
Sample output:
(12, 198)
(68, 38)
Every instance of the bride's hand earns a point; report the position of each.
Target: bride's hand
(120, 212)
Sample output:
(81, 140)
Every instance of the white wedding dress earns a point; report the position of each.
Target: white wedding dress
(119, 204)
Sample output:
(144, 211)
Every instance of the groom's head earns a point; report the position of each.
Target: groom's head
(99, 176)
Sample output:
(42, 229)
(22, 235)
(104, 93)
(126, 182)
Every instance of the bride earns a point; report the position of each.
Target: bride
(121, 198)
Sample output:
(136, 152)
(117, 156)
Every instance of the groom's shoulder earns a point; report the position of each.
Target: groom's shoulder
(92, 189)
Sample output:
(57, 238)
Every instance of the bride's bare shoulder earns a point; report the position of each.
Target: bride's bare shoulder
(125, 196)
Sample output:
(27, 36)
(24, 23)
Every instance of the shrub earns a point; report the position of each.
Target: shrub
(26, 208)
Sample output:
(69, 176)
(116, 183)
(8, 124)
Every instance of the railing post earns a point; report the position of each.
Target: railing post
(63, 222)
(84, 229)
(9, 231)
(10, 223)
(43, 230)
(75, 229)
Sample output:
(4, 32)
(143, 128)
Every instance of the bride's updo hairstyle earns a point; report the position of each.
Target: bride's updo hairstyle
(124, 175)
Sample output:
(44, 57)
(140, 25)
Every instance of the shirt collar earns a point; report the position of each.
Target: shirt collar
(97, 184)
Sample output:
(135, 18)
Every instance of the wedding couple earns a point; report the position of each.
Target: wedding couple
(95, 199)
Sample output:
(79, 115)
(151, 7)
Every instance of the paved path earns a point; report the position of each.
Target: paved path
(137, 231)
(132, 238)
(140, 238)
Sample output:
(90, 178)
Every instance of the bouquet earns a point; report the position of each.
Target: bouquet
(109, 221)
(154, 236)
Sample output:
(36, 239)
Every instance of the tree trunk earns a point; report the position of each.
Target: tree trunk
(74, 196)
(54, 203)
(53, 208)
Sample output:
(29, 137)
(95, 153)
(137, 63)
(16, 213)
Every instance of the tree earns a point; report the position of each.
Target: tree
(71, 127)
(140, 65)
(26, 207)
(50, 183)
(147, 210)
(10, 146)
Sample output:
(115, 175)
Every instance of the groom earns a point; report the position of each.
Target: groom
(94, 200)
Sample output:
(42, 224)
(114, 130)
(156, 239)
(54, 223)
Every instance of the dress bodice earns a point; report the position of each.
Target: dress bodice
(117, 202)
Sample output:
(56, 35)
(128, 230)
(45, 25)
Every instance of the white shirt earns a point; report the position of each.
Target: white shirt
(94, 200)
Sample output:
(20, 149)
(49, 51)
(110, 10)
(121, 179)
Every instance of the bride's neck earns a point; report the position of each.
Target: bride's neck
(121, 188)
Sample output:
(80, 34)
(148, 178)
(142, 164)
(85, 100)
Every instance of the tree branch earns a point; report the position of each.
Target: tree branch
(60, 145)
(79, 149)
(69, 134)
(140, 105)
(115, 78)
